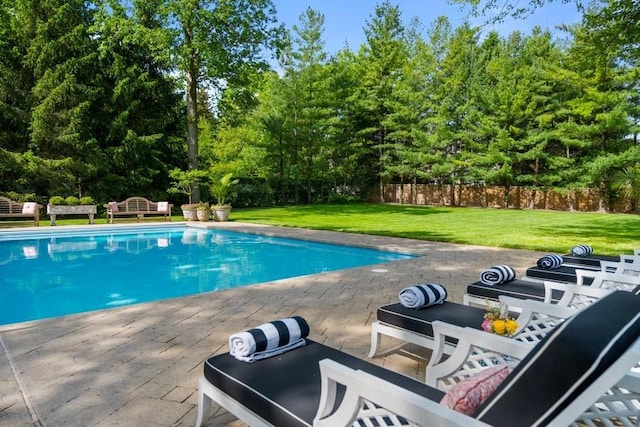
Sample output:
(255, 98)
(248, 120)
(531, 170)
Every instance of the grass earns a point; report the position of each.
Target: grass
(540, 230)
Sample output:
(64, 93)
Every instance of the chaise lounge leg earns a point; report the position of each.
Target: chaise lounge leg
(375, 340)
(204, 404)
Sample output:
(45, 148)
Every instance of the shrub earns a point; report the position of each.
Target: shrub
(86, 200)
(343, 199)
(72, 200)
(56, 200)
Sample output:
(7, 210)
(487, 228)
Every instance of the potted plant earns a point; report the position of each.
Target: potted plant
(222, 191)
(203, 211)
(186, 182)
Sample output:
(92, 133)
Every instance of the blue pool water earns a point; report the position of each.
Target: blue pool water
(66, 272)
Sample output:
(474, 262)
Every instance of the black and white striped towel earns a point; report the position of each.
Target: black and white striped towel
(581, 250)
(422, 295)
(550, 261)
(497, 275)
(269, 339)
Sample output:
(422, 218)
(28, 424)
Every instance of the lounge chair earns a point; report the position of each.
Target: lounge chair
(563, 273)
(478, 293)
(627, 265)
(591, 260)
(567, 271)
(555, 383)
(534, 318)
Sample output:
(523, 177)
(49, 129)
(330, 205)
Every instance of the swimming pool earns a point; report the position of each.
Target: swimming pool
(64, 272)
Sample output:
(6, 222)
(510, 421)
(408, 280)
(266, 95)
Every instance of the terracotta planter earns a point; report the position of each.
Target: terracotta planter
(221, 213)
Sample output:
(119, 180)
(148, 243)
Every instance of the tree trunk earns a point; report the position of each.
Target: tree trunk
(192, 107)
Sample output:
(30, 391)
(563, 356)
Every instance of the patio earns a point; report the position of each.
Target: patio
(139, 365)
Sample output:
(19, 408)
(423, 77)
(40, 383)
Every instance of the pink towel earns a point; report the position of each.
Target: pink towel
(113, 206)
(163, 206)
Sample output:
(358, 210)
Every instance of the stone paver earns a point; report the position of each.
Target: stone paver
(139, 365)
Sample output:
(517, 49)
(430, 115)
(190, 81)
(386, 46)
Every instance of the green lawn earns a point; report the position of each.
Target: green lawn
(549, 231)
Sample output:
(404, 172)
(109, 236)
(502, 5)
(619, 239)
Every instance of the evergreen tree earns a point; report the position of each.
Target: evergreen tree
(380, 63)
(598, 116)
(140, 125)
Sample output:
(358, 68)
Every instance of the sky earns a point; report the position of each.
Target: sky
(345, 19)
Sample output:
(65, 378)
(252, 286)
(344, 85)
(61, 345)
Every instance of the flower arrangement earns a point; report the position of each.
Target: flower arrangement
(497, 321)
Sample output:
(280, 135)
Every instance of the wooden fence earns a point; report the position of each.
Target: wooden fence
(484, 196)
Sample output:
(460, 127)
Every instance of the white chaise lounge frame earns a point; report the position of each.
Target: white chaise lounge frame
(369, 397)
(532, 315)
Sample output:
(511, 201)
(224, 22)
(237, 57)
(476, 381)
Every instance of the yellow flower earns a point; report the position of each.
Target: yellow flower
(499, 327)
(511, 326)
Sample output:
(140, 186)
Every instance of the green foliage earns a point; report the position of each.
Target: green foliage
(91, 102)
(21, 197)
(71, 201)
(87, 200)
(186, 182)
(254, 192)
(57, 200)
(343, 199)
(627, 181)
(203, 206)
(223, 190)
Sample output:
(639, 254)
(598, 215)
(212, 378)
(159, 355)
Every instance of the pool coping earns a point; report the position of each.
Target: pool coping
(139, 364)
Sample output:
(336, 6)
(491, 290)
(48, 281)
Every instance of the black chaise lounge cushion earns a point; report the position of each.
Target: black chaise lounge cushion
(523, 289)
(564, 273)
(565, 363)
(285, 389)
(421, 321)
(591, 260)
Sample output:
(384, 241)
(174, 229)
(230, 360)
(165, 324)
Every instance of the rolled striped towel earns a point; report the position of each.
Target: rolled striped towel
(550, 261)
(269, 339)
(581, 250)
(497, 275)
(422, 295)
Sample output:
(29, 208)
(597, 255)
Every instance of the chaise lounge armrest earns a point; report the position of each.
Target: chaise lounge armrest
(370, 397)
(476, 349)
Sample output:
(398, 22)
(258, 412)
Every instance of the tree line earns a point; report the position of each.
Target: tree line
(107, 98)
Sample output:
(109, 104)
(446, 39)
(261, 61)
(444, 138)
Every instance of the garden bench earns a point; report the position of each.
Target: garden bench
(138, 206)
(11, 209)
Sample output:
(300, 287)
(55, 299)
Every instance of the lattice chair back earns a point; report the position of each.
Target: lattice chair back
(575, 296)
(536, 318)
(475, 351)
(631, 269)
